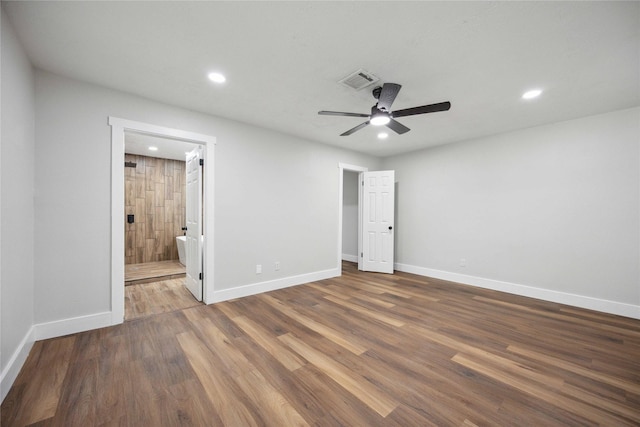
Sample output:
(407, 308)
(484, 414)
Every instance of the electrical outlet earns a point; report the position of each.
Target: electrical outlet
(276, 265)
(463, 262)
(258, 268)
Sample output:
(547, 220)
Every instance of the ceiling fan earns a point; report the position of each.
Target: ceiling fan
(381, 113)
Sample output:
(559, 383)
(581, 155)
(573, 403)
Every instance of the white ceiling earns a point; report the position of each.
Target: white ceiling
(283, 60)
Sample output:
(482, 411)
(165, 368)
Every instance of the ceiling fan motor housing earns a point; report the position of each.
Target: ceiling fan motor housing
(377, 111)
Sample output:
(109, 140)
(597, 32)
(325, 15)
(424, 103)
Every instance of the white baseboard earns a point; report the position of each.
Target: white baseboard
(272, 285)
(350, 258)
(11, 371)
(59, 328)
(43, 331)
(605, 306)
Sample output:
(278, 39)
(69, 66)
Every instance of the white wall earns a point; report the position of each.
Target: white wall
(554, 208)
(276, 196)
(350, 217)
(16, 206)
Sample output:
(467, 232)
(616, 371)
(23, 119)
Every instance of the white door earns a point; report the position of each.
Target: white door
(193, 247)
(378, 210)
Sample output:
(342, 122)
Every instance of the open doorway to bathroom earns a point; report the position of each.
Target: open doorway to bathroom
(119, 127)
(155, 200)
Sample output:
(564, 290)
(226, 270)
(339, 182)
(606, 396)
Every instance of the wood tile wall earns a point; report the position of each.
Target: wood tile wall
(155, 194)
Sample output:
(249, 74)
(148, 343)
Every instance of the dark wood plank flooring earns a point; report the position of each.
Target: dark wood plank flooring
(360, 350)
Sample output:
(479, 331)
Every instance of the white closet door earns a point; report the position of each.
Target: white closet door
(377, 220)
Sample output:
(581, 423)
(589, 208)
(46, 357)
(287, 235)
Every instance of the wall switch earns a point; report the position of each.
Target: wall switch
(463, 262)
(258, 268)
(276, 265)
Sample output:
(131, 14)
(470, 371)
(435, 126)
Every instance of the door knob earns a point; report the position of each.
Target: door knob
(390, 228)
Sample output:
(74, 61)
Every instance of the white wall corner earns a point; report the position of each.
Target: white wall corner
(272, 285)
(605, 306)
(18, 358)
(44, 331)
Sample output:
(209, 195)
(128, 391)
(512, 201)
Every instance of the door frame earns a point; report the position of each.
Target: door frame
(118, 128)
(351, 168)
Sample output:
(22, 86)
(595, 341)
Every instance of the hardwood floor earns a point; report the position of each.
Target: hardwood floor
(157, 297)
(360, 350)
(147, 272)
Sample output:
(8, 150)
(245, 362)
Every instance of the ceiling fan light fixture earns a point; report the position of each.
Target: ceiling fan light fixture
(379, 119)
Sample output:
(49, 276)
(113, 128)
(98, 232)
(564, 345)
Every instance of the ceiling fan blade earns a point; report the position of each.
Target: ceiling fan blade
(397, 127)
(431, 108)
(388, 95)
(355, 129)
(338, 113)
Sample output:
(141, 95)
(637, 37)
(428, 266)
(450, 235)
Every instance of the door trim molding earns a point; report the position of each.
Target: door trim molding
(118, 128)
(351, 168)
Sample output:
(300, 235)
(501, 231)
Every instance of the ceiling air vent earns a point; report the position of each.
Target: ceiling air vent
(359, 79)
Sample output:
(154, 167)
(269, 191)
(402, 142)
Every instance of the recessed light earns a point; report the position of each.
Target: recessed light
(153, 148)
(531, 94)
(383, 135)
(217, 78)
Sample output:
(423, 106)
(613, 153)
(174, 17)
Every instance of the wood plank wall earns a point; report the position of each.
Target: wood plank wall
(155, 194)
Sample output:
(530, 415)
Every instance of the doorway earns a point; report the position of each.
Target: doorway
(375, 218)
(121, 127)
(350, 217)
(155, 219)
(346, 233)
